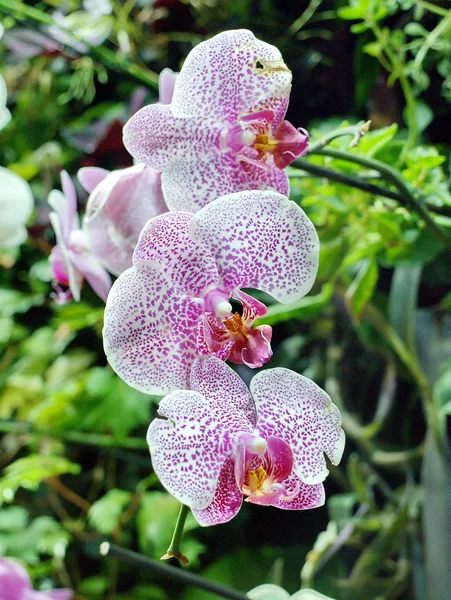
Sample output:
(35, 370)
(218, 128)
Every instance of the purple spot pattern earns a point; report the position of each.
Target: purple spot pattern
(247, 239)
(150, 330)
(189, 448)
(266, 242)
(165, 240)
(220, 83)
(295, 409)
(117, 210)
(197, 445)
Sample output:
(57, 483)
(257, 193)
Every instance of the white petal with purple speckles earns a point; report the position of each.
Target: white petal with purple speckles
(189, 447)
(165, 240)
(294, 408)
(260, 240)
(211, 377)
(224, 77)
(227, 500)
(150, 330)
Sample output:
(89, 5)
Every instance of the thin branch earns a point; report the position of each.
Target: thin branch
(174, 547)
(74, 437)
(394, 177)
(169, 572)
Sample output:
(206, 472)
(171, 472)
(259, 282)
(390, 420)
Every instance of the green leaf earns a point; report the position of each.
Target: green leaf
(30, 471)
(374, 141)
(362, 288)
(340, 507)
(104, 514)
(402, 302)
(307, 308)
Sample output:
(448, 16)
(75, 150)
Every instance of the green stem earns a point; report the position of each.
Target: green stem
(169, 572)
(356, 131)
(394, 177)
(174, 547)
(106, 56)
(435, 9)
(431, 38)
(74, 437)
(304, 17)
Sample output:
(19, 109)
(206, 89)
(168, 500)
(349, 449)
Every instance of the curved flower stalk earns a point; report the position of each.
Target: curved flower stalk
(15, 584)
(72, 259)
(16, 205)
(224, 130)
(216, 442)
(173, 305)
(268, 591)
(119, 205)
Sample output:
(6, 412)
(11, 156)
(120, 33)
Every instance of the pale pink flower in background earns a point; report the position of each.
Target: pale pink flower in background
(174, 303)
(15, 584)
(224, 130)
(71, 259)
(119, 205)
(217, 441)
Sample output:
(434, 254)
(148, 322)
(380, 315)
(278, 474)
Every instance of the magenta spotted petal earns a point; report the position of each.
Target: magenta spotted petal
(119, 205)
(266, 242)
(295, 409)
(150, 330)
(224, 130)
(190, 446)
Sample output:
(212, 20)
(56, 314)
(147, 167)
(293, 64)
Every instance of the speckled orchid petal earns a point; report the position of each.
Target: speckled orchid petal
(212, 378)
(295, 409)
(260, 240)
(307, 496)
(238, 69)
(14, 579)
(166, 84)
(166, 240)
(118, 208)
(226, 502)
(189, 183)
(190, 447)
(150, 330)
(155, 137)
(90, 177)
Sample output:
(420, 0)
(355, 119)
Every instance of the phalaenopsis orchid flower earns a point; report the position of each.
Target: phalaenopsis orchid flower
(218, 442)
(72, 259)
(15, 584)
(174, 305)
(224, 130)
(120, 204)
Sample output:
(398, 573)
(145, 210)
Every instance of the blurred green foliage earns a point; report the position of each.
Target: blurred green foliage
(375, 332)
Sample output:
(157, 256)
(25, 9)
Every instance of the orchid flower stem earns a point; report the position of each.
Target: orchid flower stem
(169, 572)
(104, 55)
(174, 547)
(396, 179)
(356, 131)
(74, 437)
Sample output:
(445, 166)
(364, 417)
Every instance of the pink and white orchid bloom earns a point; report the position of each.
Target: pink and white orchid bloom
(224, 130)
(15, 584)
(173, 305)
(217, 441)
(119, 205)
(72, 259)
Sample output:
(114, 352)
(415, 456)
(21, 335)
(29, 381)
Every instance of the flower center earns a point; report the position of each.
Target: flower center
(254, 481)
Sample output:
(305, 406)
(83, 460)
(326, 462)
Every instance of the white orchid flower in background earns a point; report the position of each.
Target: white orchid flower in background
(16, 204)
(268, 591)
